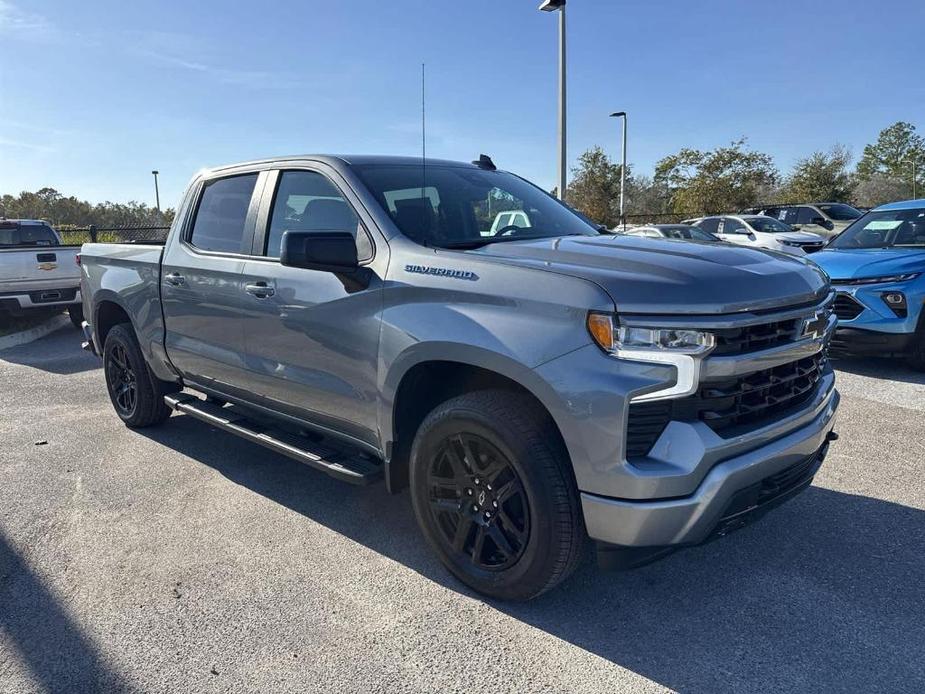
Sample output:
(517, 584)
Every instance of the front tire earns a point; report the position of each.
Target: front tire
(136, 395)
(916, 356)
(493, 493)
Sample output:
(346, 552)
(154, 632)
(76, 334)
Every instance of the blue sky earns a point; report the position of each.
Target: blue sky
(95, 94)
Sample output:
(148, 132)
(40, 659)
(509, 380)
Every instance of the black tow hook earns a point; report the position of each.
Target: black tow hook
(831, 436)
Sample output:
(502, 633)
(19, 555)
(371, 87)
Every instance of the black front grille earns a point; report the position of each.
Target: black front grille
(755, 399)
(646, 422)
(847, 307)
(752, 338)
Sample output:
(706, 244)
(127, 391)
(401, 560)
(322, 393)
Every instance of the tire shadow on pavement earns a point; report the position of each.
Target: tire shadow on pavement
(824, 593)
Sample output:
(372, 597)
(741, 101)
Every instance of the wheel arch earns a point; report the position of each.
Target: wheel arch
(420, 381)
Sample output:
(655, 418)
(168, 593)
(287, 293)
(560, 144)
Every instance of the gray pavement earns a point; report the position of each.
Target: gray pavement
(182, 559)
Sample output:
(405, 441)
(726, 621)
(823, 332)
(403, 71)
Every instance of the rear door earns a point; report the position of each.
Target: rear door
(202, 282)
(312, 337)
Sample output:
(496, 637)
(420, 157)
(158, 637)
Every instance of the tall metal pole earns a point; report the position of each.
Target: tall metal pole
(562, 134)
(622, 114)
(157, 194)
(914, 194)
(623, 176)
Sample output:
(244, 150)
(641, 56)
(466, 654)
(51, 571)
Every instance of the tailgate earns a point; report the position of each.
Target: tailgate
(40, 267)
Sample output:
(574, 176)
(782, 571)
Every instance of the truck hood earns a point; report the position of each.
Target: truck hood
(857, 263)
(664, 276)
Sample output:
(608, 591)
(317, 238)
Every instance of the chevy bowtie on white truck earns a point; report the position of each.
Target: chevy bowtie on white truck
(36, 271)
(532, 382)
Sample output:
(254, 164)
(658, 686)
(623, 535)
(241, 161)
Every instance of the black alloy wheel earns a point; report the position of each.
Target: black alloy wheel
(478, 502)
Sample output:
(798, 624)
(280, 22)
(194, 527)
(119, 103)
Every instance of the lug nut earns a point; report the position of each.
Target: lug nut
(475, 508)
(495, 503)
(487, 515)
(488, 487)
(468, 492)
(476, 480)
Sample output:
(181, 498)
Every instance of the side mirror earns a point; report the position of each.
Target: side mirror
(795, 227)
(329, 251)
(818, 220)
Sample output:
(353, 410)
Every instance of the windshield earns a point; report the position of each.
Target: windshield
(899, 228)
(689, 233)
(768, 225)
(459, 207)
(840, 212)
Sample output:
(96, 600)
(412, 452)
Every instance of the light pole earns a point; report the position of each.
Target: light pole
(622, 114)
(912, 161)
(157, 194)
(552, 6)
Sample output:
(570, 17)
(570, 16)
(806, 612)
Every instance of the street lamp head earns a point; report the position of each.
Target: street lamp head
(155, 172)
(552, 5)
(618, 114)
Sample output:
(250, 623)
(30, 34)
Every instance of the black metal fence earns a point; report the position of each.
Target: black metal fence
(72, 236)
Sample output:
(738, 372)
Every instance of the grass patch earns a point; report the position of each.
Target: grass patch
(15, 324)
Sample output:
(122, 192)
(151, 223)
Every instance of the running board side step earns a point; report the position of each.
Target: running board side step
(338, 462)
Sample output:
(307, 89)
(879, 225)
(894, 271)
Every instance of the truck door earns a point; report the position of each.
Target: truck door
(202, 283)
(312, 337)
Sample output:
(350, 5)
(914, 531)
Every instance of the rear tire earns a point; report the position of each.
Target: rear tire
(76, 314)
(494, 495)
(136, 395)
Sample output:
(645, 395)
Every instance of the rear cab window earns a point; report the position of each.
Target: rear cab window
(18, 234)
(221, 215)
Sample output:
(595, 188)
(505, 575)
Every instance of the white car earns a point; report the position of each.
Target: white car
(511, 218)
(760, 232)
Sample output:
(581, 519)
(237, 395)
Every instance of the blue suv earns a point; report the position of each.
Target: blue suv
(877, 266)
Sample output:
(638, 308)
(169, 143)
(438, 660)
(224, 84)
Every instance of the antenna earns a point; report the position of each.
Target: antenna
(423, 135)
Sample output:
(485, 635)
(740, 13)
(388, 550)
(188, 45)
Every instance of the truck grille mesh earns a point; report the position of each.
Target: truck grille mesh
(729, 406)
(751, 338)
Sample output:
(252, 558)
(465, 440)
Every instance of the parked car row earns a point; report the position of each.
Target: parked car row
(875, 259)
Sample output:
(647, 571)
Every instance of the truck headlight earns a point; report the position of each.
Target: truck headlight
(628, 338)
(682, 349)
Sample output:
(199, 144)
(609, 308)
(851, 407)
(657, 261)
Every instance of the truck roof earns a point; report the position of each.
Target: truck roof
(353, 160)
(902, 205)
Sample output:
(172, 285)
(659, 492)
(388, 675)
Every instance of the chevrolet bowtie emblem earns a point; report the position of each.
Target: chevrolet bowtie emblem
(815, 327)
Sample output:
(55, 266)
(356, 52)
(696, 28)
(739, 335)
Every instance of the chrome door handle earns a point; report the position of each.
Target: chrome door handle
(175, 279)
(259, 289)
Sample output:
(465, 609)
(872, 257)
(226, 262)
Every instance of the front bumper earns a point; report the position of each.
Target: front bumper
(657, 526)
(857, 342)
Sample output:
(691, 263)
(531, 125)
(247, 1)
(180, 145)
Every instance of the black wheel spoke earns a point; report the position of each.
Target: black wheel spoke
(508, 491)
(478, 547)
(460, 472)
(448, 505)
(510, 527)
(501, 542)
(462, 533)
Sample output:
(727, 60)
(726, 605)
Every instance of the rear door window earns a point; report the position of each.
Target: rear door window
(222, 215)
(710, 225)
(27, 235)
(805, 215)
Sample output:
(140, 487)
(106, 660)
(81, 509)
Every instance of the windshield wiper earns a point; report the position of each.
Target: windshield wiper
(478, 243)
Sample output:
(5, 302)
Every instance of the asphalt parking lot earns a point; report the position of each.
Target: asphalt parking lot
(184, 559)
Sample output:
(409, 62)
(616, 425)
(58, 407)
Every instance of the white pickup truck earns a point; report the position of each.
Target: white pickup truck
(36, 270)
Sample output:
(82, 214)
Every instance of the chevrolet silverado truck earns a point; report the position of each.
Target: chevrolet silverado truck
(36, 271)
(532, 384)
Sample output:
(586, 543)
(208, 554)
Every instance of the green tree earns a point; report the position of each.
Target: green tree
(879, 189)
(892, 155)
(595, 187)
(52, 206)
(725, 179)
(820, 176)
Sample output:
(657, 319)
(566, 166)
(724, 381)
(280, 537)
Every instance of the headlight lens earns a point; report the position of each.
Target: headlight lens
(880, 280)
(632, 339)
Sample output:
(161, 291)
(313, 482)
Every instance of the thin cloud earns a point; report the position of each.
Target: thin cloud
(14, 20)
(19, 144)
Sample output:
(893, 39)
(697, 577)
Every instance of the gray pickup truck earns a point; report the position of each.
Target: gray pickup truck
(533, 384)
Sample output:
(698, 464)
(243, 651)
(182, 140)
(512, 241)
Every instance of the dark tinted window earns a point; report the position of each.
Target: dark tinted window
(841, 212)
(27, 235)
(897, 228)
(805, 215)
(308, 201)
(710, 225)
(788, 215)
(220, 219)
(733, 226)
